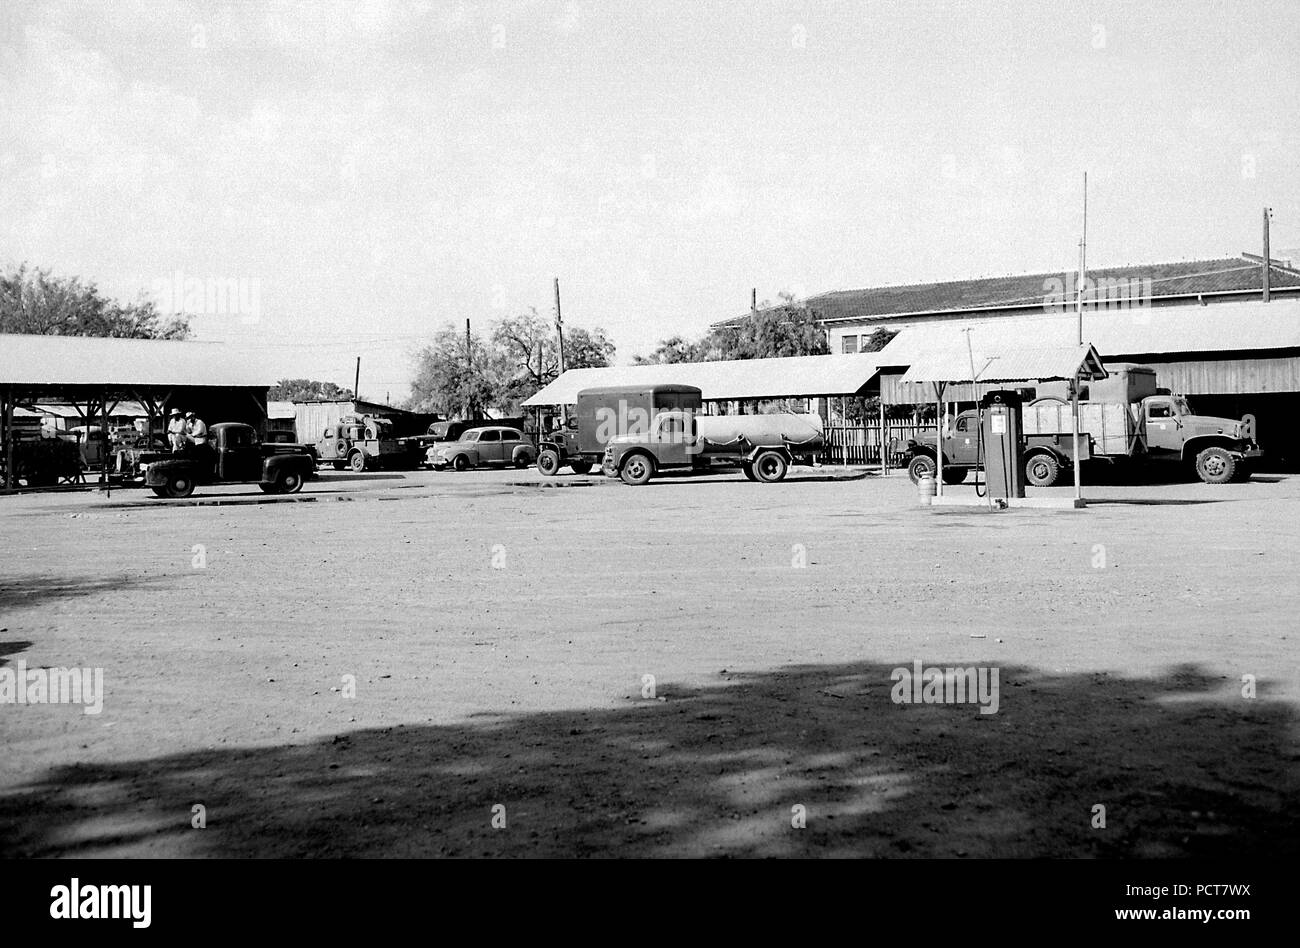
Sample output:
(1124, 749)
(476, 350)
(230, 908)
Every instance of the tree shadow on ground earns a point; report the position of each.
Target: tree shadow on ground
(34, 589)
(12, 648)
(1182, 763)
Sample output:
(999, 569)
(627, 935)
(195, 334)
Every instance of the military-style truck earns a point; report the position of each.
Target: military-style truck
(602, 413)
(360, 442)
(1123, 418)
(233, 455)
(762, 446)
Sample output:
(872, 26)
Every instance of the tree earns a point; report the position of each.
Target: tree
(33, 300)
(673, 350)
(447, 382)
(307, 390)
(788, 329)
(529, 347)
(878, 340)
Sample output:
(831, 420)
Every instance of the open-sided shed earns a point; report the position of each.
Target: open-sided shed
(95, 375)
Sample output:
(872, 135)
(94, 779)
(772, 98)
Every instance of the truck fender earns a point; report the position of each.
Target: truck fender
(1196, 445)
(160, 471)
(779, 449)
(285, 462)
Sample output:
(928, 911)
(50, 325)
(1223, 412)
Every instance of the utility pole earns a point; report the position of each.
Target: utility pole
(559, 331)
(469, 374)
(1268, 261)
(1083, 257)
(753, 301)
(356, 382)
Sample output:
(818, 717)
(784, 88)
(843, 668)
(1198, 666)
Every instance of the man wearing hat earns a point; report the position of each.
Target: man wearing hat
(196, 430)
(176, 429)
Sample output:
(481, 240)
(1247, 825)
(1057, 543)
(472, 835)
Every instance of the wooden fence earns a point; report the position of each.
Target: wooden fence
(860, 444)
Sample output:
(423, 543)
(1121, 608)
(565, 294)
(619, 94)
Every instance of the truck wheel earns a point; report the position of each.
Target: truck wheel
(460, 464)
(1042, 470)
(1215, 466)
(580, 467)
(289, 482)
(548, 463)
(637, 470)
(770, 467)
(920, 466)
(749, 471)
(954, 475)
(159, 491)
(179, 486)
(357, 461)
(340, 465)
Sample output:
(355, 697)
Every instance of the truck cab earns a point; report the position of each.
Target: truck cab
(1222, 449)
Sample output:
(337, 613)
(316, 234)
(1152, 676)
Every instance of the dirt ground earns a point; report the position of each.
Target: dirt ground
(499, 633)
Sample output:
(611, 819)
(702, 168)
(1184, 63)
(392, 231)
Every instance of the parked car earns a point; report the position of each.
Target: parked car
(493, 444)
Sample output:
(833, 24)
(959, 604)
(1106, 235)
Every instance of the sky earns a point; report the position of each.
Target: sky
(355, 175)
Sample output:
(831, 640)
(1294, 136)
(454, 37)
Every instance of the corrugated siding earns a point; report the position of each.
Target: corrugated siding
(1229, 376)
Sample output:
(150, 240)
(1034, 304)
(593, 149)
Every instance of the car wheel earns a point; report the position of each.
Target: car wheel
(179, 486)
(1215, 466)
(357, 461)
(461, 463)
(1042, 470)
(522, 460)
(770, 467)
(548, 463)
(637, 470)
(580, 467)
(920, 466)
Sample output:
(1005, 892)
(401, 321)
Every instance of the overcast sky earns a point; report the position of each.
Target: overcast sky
(373, 170)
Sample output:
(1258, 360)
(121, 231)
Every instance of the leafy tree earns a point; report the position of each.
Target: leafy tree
(529, 346)
(33, 300)
(675, 349)
(878, 340)
(789, 328)
(448, 382)
(307, 390)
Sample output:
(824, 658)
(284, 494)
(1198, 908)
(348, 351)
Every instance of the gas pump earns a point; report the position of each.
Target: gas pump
(1001, 430)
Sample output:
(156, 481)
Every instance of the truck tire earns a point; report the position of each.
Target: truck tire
(340, 465)
(357, 461)
(159, 491)
(179, 485)
(1042, 470)
(288, 482)
(460, 463)
(341, 448)
(548, 462)
(920, 466)
(770, 467)
(580, 467)
(953, 476)
(637, 470)
(1215, 466)
(749, 471)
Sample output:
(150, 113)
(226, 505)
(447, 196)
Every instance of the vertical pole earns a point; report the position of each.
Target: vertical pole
(1083, 257)
(1078, 465)
(7, 434)
(884, 460)
(939, 421)
(559, 331)
(753, 301)
(103, 457)
(356, 382)
(844, 432)
(1268, 262)
(469, 374)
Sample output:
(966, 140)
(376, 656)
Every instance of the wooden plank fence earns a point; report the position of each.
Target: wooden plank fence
(860, 444)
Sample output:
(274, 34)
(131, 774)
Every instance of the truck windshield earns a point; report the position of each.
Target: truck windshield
(1181, 406)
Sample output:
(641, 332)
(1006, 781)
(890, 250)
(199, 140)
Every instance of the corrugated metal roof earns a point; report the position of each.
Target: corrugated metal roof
(86, 360)
(1005, 364)
(1221, 327)
(736, 379)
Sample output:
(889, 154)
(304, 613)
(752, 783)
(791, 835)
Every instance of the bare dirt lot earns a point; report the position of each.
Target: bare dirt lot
(499, 634)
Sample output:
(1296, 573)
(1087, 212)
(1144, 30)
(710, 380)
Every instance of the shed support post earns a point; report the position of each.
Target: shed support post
(1078, 464)
(939, 420)
(7, 434)
(884, 459)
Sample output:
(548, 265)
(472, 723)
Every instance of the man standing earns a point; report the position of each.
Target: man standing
(196, 430)
(176, 430)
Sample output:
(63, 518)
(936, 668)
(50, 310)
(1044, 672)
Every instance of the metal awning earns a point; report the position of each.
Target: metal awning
(741, 379)
(1004, 364)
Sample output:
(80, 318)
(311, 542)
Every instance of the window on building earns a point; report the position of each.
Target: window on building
(850, 344)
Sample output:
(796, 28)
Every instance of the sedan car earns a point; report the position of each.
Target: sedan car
(489, 445)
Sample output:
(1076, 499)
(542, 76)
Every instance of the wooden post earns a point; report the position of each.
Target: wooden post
(1078, 464)
(7, 434)
(884, 460)
(938, 439)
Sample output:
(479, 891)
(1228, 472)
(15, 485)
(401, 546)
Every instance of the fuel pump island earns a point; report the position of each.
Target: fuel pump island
(994, 436)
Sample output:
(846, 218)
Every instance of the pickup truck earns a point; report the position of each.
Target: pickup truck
(233, 455)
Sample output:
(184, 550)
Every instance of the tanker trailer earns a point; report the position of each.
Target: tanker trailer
(763, 446)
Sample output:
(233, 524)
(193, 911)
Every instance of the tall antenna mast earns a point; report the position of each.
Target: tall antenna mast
(1083, 258)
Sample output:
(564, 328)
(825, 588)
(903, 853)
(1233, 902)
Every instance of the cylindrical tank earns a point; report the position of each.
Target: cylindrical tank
(926, 488)
(727, 433)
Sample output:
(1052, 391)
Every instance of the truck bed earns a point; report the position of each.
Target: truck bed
(1113, 426)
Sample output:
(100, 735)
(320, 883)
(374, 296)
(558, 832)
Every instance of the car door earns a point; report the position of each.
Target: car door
(489, 446)
(1162, 426)
(510, 442)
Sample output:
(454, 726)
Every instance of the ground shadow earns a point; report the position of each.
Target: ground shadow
(1182, 764)
(35, 589)
(12, 648)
